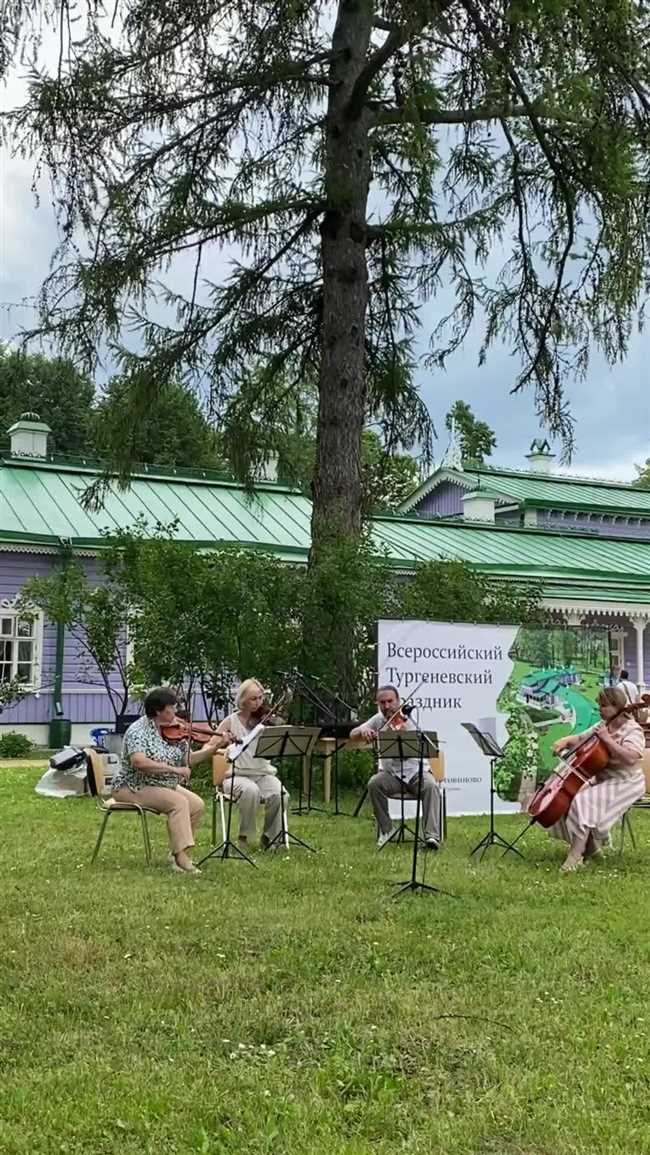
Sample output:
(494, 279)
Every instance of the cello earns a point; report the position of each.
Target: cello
(551, 802)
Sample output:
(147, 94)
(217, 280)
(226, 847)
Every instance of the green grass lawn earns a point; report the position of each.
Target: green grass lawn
(296, 1010)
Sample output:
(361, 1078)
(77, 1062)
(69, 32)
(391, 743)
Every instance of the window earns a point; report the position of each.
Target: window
(18, 648)
(617, 647)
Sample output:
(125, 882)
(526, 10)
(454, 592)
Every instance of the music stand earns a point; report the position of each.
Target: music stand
(228, 848)
(399, 745)
(489, 747)
(286, 742)
(319, 700)
(420, 740)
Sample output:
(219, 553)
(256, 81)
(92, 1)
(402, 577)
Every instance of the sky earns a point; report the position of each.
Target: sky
(611, 407)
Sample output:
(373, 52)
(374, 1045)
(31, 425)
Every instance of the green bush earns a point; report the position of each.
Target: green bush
(14, 745)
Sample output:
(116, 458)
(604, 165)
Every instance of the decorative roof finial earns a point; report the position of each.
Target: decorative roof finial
(539, 446)
(453, 455)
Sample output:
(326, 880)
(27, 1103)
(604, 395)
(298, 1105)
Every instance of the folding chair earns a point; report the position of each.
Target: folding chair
(219, 771)
(642, 804)
(437, 768)
(109, 806)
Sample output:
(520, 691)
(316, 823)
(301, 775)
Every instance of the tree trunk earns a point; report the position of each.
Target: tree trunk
(336, 485)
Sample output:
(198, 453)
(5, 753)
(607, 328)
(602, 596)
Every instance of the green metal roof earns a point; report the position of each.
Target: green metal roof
(515, 552)
(40, 503)
(43, 500)
(546, 491)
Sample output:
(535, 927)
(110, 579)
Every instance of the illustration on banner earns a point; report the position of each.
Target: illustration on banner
(551, 692)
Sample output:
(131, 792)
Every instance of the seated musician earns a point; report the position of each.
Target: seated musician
(254, 780)
(396, 775)
(605, 798)
(152, 772)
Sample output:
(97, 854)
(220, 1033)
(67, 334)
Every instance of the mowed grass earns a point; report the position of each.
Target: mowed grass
(296, 1009)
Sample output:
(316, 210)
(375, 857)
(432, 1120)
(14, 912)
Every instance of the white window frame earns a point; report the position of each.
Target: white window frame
(617, 647)
(8, 610)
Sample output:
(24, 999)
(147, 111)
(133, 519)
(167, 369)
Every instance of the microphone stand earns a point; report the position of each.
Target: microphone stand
(338, 701)
(303, 683)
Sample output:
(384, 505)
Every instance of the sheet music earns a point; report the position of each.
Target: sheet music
(237, 748)
(486, 742)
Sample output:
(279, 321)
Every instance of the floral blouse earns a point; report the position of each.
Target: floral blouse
(144, 737)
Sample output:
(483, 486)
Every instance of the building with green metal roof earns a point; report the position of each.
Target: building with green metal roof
(585, 575)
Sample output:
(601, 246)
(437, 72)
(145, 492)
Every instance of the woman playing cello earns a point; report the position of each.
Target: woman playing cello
(605, 798)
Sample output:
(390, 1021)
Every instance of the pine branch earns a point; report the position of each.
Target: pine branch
(395, 40)
(384, 25)
(433, 116)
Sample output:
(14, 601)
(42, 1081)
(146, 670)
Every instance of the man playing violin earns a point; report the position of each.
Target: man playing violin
(605, 798)
(153, 769)
(254, 779)
(397, 776)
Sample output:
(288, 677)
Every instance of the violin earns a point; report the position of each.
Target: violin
(552, 801)
(181, 730)
(398, 720)
(265, 716)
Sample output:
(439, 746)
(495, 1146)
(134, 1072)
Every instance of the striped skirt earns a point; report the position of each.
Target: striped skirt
(596, 808)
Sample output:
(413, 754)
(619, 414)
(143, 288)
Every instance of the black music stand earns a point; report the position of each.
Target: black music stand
(319, 698)
(228, 848)
(286, 742)
(301, 685)
(395, 744)
(416, 742)
(488, 746)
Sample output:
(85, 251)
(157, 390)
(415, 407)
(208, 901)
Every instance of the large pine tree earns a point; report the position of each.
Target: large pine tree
(352, 158)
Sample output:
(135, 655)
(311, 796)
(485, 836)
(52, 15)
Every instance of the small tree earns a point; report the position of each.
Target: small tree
(54, 389)
(11, 693)
(96, 617)
(477, 440)
(521, 756)
(643, 475)
(202, 620)
(388, 478)
(342, 599)
(450, 591)
(172, 431)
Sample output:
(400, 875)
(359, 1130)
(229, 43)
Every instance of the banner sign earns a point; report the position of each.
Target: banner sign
(457, 671)
(526, 686)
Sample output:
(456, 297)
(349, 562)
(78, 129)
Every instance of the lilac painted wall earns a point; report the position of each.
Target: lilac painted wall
(89, 702)
(602, 526)
(630, 654)
(630, 663)
(84, 699)
(445, 501)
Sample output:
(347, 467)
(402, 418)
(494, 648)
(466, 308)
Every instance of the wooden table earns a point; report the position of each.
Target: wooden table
(326, 747)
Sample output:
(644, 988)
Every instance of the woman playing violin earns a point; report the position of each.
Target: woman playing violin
(254, 780)
(154, 769)
(605, 798)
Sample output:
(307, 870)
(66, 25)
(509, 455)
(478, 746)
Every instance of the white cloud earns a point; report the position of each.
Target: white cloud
(623, 470)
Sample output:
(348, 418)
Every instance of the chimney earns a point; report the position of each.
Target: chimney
(540, 457)
(478, 506)
(28, 436)
(270, 469)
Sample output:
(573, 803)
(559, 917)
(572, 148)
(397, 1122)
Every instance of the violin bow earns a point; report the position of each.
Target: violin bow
(399, 708)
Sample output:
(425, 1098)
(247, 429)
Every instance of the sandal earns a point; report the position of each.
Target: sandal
(191, 869)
